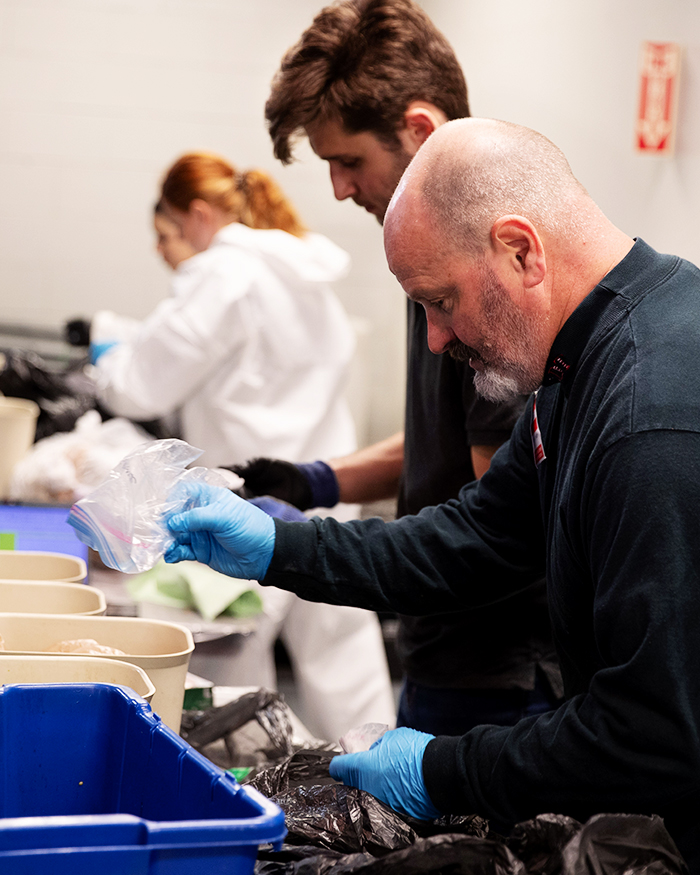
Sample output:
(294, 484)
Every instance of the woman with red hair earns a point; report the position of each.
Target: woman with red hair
(253, 349)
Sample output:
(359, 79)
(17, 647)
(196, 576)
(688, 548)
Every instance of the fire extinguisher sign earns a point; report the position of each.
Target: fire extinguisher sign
(658, 97)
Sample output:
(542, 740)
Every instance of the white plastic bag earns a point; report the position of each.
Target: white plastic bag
(123, 518)
(67, 466)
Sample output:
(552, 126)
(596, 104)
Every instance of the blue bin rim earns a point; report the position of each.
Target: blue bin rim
(267, 825)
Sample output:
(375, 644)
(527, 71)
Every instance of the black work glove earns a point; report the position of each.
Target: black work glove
(303, 485)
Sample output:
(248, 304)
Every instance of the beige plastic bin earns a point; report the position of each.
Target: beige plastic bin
(161, 649)
(50, 597)
(18, 418)
(40, 565)
(80, 670)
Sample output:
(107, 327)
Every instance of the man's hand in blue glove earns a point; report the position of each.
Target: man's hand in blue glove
(391, 770)
(222, 530)
(313, 484)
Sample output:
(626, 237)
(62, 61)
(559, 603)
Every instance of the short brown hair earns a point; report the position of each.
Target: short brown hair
(252, 197)
(364, 61)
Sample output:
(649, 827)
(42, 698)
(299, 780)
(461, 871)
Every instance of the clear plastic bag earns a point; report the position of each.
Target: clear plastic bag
(123, 518)
(362, 737)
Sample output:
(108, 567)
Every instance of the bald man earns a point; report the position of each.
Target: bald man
(521, 273)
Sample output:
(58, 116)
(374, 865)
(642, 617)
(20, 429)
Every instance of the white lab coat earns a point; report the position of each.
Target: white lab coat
(253, 348)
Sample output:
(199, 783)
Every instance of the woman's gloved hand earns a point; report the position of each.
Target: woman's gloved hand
(97, 350)
(391, 770)
(304, 485)
(221, 530)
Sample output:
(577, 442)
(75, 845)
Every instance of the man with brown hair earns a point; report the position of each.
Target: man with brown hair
(369, 82)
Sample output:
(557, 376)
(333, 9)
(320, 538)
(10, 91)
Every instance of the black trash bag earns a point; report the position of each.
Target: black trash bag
(438, 855)
(539, 842)
(622, 844)
(62, 395)
(304, 768)
(324, 813)
(342, 819)
(320, 811)
(269, 710)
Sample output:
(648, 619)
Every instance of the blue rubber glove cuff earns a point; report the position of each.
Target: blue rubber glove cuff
(391, 770)
(325, 491)
(97, 350)
(280, 510)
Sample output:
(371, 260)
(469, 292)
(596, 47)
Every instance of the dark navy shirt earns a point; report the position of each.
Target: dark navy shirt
(499, 646)
(611, 514)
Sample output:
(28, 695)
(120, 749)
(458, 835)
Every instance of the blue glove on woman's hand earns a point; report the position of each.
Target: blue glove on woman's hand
(222, 530)
(97, 350)
(391, 770)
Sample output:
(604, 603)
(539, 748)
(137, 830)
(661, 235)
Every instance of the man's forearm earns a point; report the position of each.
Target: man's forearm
(372, 473)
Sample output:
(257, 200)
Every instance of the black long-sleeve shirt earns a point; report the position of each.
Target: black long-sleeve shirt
(611, 514)
(501, 645)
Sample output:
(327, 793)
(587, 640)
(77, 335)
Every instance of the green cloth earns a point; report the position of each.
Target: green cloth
(195, 586)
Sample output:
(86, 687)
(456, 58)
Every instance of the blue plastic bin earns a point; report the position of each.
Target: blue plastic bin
(93, 783)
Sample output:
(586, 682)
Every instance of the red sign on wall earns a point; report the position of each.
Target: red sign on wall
(658, 97)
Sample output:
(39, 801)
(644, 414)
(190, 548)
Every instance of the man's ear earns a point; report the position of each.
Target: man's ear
(518, 249)
(419, 121)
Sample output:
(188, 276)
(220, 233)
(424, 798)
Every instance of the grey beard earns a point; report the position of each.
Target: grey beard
(495, 387)
(488, 383)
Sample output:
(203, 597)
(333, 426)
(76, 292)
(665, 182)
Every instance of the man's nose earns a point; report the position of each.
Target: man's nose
(439, 336)
(343, 184)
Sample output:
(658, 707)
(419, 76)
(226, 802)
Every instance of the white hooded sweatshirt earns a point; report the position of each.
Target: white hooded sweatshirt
(253, 347)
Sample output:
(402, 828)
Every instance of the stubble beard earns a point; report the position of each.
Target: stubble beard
(504, 377)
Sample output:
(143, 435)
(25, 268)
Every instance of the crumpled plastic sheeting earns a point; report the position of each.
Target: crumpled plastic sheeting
(268, 709)
(304, 768)
(622, 843)
(607, 844)
(448, 854)
(63, 395)
(343, 819)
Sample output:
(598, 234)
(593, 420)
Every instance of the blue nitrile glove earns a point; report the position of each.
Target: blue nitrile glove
(97, 350)
(391, 770)
(224, 531)
(311, 484)
(280, 510)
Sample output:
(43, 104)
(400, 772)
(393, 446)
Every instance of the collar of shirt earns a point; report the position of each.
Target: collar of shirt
(616, 293)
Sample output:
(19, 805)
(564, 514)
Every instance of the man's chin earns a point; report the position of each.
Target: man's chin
(496, 387)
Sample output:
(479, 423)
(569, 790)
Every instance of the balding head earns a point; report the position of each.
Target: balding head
(472, 171)
(491, 232)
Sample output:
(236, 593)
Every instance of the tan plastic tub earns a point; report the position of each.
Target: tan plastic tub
(79, 670)
(18, 418)
(50, 597)
(161, 649)
(38, 565)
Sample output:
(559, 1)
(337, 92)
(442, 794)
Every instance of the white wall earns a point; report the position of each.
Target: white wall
(570, 70)
(97, 97)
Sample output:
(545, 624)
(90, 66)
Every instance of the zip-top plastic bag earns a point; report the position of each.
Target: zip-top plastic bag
(123, 518)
